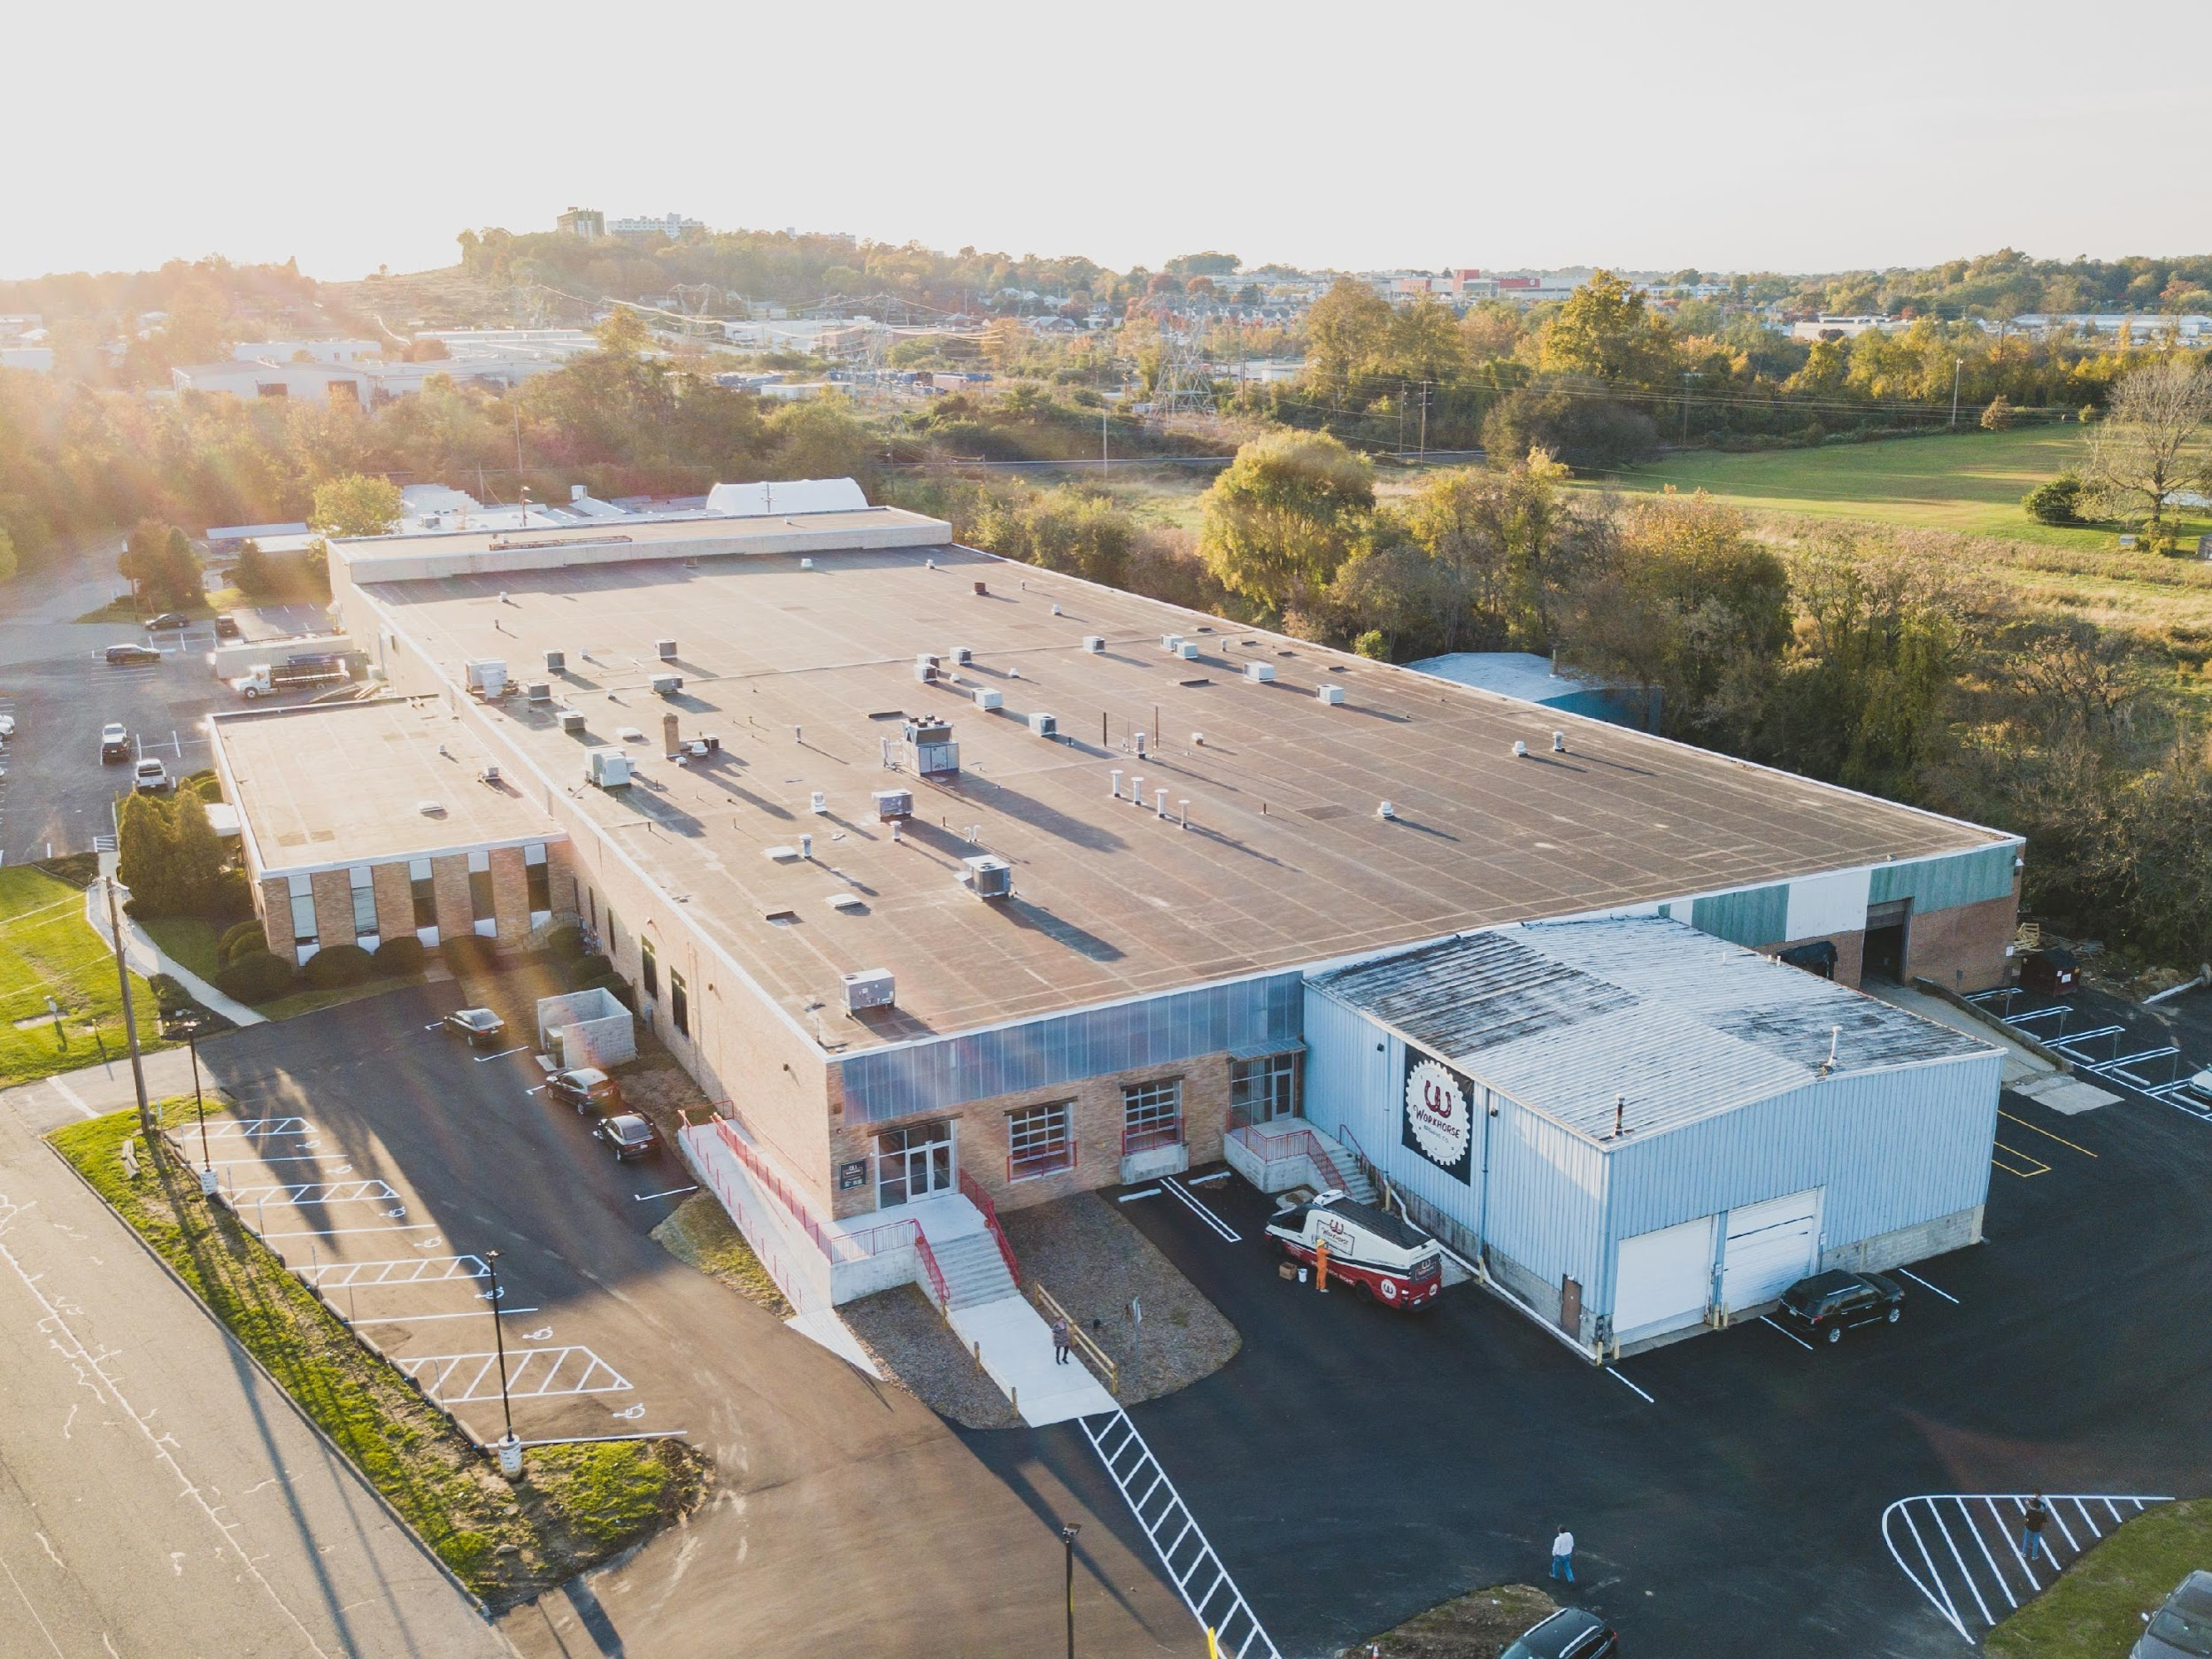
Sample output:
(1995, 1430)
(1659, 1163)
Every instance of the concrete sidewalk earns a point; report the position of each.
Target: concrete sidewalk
(147, 959)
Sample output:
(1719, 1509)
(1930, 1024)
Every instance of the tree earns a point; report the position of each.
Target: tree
(1283, 517)
(820, 438)
(195, 853)
(623, 333)
(1347, 335)
(1606, 330)
(2000, 416)
(2156, 438)
(355, 504)
(145, 843)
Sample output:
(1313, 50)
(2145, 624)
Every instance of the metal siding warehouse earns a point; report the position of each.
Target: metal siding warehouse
(1643, 1094)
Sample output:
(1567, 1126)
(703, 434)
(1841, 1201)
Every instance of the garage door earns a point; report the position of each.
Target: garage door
(1663, 1279)
(1769, 1247)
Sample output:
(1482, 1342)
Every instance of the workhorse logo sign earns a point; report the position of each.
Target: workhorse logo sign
(1439, 1122)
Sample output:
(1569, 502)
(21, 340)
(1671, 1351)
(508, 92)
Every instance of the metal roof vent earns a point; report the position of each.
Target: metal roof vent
(1056, 608)
(988, 877)
(489, 775)
(666, 649)
(1559, 742)
(1260, 672)
(541, 692)
(1188, 651)
(1045, 725)
(1386, 810)
(926, 666)
(1331, 695)
(962, 655)
(1519, 749)
(431, 808)
(1094, 644)
(870, 988)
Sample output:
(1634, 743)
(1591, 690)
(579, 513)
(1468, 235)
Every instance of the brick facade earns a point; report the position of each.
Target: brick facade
(1963, 949)
(1850, 953)
(394, 900)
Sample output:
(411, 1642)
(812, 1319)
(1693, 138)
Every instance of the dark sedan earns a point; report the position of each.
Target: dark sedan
(628, 1136)
(1828, 1304)
(2182, 1629)
(169, 619)
(479, 1026)
(126, 656)
(586, 1088)
(1569, 1633)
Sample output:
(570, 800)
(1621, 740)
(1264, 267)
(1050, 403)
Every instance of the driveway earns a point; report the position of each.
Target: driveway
(1354, 1465)
(846, 1517)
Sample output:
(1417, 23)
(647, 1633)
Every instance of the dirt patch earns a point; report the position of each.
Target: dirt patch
(1087, 1255)
(700, 1234)
(910, 1343)
(1477, 1625)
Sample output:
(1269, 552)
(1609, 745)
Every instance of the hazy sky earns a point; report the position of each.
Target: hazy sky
(1724, 136)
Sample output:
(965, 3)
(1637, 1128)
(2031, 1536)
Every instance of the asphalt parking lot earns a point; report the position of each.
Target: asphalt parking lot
(843, 1508)
(1354, 1465)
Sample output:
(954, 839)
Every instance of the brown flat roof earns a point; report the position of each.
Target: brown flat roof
(345, 784)
(803, 674)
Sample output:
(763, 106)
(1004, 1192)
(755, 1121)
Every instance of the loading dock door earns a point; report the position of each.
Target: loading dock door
(1769, 1247)
(1662, 1280)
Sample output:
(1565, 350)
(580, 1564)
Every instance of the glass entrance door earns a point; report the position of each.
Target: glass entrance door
(913, 1163)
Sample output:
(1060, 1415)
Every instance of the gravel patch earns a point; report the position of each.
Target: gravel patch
(1086, 1252)
(910, 1342)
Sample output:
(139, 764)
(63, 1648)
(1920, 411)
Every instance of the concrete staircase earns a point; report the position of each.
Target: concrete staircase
(1356, 1187)
(973, 1271)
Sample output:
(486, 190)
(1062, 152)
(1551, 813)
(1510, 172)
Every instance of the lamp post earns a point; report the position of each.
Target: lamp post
(1067, 1540)
(110, 859)
(192, 1030)
(510, 1448)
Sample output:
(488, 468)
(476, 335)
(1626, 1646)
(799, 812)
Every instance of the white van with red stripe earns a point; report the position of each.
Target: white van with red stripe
(1387, 1259)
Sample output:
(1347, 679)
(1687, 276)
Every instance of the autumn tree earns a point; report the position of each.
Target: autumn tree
(355, 504)
(2156, 438)
(1347, 333)
(1606, 330)
(1282, 517)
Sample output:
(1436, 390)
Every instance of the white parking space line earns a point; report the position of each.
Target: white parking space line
(1625, 1382)
(404, 1271)
(255, 1127)
(455, 1379)
(1184, 1196)
(1909, 1274)
(305, 1192)
(503, 1054)
(1786, 1332)
(1963, 1552)
(473, 1312)
(332, 1232)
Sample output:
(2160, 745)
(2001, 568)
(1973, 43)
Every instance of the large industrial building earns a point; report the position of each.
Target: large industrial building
(950, 874)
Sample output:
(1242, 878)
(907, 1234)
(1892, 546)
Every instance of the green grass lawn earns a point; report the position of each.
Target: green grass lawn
(1971, 482)
(2095, 1610)
(46, 950)
(575, 1505)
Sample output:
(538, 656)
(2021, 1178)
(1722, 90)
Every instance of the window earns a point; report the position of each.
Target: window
(538, 875)
(363, 907)
(1151, 1115)
(679, 1003)
(480, 894)
(649, 968)
(303, 911)
(1040, 1140)
(1265, 1088)
(425, 889)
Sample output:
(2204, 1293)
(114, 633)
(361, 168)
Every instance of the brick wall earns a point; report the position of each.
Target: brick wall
(449, 882)
(1963, 948)
(394, 900)
(509, 897)
(1850, 953)
(272, 897)
(334, 907)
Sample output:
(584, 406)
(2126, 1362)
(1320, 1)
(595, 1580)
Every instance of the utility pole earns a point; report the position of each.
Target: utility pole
(1958, 367)
(1423, 456)
(108, 860)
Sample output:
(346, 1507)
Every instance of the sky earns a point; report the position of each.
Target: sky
(1726, 137)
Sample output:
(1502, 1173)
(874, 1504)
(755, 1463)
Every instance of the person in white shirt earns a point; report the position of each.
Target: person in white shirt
(1563, 1554)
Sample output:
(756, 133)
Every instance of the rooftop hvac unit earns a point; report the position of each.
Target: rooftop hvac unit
(962, 655)
(931, 750)
(1262, 671)
(893, 804)
(556, 661)
(608, 768)
(870, 988)
(1188, 651)
(926, 666)
(987, 698)
(1094, 644)
(1171, 643)
(667, 684)
(988, 876)
(572, 721)
(1329, 694)
(1045, 725)
(486, 676)
(489, 775)
(666, 649)
(541, 692)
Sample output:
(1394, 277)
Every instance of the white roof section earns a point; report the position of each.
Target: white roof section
(1564, 1016)
(1520, 673)
(772, 497)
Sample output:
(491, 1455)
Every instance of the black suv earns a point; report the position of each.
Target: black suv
(1828, 1304)
(1569, 1633)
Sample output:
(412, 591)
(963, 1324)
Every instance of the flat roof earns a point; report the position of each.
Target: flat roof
(1520, 673)
(803, 675)
(831, 530)
(1560, 1015)
(341, 783)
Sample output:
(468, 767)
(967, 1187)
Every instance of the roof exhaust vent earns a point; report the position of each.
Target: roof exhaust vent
(870, 988)
(489, 775)
(1171, 643)
(1559, 742)
(1095, 643)
(1386, 810)
(818, 803)
(1117, 782)
(1331, 695)
(666, 649)
(541, 692)
(1188, 651)
(982, 589)
(962, 655)
(926, 666)
(572, 721)
(1056, 608)
(1519, 749)
(1140, 746)
(805, 564)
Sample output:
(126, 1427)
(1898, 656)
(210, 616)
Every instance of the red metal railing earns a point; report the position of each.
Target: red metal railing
(981, 1200)
(1074, 1157)
(1269, 1145)
(1168, 1134)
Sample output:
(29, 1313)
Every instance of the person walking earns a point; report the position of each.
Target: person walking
(2032, 1525)
(1059, 1340)
(1563, 1554)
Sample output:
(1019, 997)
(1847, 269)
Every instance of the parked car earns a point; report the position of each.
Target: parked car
(1569, 1633)
(479, 1026)
(227, 627)
(1385, 1258)
(627, 1136)
(7, 726)
(2048, 972)
(2199, 1086)
(127, 656)
(168, 619)
(115, 742)
(586, 1088)
(1828, 1304)
(151, 777)
(2181, 1629)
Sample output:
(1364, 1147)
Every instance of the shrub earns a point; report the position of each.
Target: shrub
(586, 970)
(1372, 644)
(470, 953)
(337, 965)
(2055, 501)
(1575, 419)
(2000, 415)
(401, 955)
(167, 991)
(255, 976)
(246, 936)
(564, 942)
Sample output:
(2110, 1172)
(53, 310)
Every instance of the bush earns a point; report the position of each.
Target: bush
(255, 976)
(2000, 416)
(586, 970)
(246, 936)
(2057, 501)
(564, 942)
(401, 955)
(1573, 418)
(168, 991)
(1372, 644)
(470, 953)
(337, 965)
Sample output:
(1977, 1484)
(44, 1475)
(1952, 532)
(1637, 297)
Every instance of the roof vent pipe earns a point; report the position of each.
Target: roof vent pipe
(806, 846)
(1519, 749)
(1386, 810)
(1137, 788)
(1117, 784)
(1620, 1110)
(1835, 1035)
(1559, 742)
(1160, 803)
(1140, 746)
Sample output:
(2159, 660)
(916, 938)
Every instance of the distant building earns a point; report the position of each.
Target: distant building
(339, 353)
(587, 222)
(1841, 327)
(2192, 327)
(36, 360)
(668, 228)
(494, 358)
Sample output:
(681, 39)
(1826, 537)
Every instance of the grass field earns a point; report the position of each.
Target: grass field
(1970, 482)
(46, 950)
(2095, 1610)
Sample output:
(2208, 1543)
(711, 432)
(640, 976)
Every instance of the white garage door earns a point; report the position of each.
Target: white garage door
(1663, 1279)
(1769, 1247)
